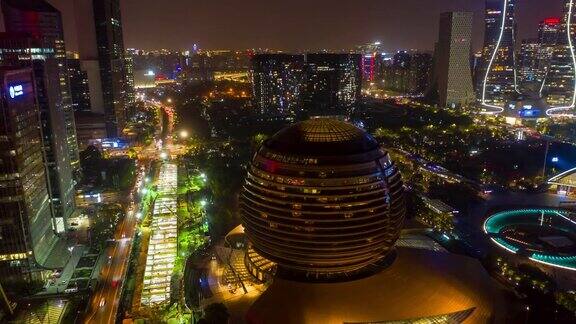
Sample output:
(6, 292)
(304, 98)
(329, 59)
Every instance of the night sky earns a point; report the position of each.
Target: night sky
(298, 24)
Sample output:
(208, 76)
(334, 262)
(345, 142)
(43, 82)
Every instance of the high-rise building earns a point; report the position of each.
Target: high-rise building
(276, 81)
(332, 83)
(548, 34)
(409, 73)
(371, 61)
(26, 231)
(497, 82)
(130, 89)
(38, 54)
(420, 73)
(78, 85)
(559, 86)
(548, 31)
(370, 66)
(528, 61)
(452, 72)
(39, 19)
(101, 49)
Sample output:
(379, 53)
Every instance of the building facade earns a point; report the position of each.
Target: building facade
(276, 82)
(498, 76)
(529, 62)
(559, 86)
(452, 73)
(548, 36)
(332, 83)
(409, 73)
(39, 19)
(101, 49)
(78, 85)
(38, 54)
(26, 231)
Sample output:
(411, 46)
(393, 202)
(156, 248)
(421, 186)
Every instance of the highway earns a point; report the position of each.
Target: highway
(105, 299)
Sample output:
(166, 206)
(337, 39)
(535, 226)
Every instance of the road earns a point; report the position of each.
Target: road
(105, 299)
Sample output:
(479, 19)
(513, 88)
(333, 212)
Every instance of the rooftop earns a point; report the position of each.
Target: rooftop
(420, 284)
(322, 137)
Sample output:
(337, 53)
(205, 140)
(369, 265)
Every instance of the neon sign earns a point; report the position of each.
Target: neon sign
(16, 91)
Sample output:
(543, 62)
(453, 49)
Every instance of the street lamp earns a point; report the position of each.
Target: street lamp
(169, 100)
(183, 134)
(555, 159)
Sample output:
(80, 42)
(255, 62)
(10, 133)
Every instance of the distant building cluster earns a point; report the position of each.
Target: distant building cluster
(528, 78)
(306, 84)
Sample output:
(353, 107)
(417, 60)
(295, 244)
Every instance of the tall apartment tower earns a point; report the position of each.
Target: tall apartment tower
(41, 20)
(332, 83)
(453, 74)
(548, 34)
(26, 231)
(276, 81)
(497, 81)
(101, 49)
(78, 85)
(559, 86)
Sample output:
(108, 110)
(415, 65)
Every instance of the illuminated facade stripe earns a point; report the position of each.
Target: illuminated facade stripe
(552, 264)
(496, 48)
(552, 111)
(558, 176)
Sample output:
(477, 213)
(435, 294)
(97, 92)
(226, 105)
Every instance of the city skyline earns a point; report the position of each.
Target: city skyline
(213, 162)
(213, 25)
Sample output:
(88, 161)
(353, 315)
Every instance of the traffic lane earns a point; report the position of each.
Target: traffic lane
(114, 269)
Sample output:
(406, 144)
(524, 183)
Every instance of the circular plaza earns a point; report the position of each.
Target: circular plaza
(543, 235)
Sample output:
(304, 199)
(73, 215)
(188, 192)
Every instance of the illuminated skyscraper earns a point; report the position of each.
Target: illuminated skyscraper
(332, 83)
(101, 48)
(26, 232)
(548, 34)
(276, 81)
(409, 73)
(528, 67)
(78, 85)
(41, 20)
(497, 81)
(560, 82)
(453, 75)
(16, 50)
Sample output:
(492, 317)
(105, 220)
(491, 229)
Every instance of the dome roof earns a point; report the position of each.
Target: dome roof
(322, 199)
(420, 286)
(322, 136)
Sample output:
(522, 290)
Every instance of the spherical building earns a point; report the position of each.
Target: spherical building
(323, 206)
(322, 199)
